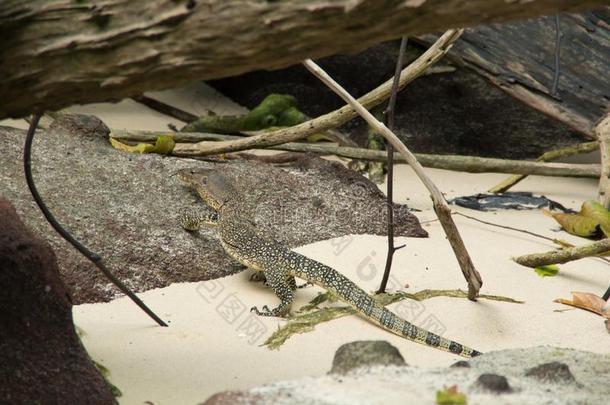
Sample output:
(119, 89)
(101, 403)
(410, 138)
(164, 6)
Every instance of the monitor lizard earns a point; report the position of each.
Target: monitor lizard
(246, 243)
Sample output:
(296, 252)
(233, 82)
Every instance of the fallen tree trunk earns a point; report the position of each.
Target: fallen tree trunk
(55, 53)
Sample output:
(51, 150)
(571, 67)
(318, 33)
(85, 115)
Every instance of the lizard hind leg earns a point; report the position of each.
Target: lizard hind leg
(258, 277)
(280, 283)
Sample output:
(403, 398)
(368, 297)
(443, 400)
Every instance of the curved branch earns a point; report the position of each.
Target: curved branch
(333, 119)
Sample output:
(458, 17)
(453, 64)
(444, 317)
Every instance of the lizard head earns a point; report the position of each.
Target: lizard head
(214, 188)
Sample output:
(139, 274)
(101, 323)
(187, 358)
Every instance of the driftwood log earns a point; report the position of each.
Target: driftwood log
(522, 57)
(55, 53)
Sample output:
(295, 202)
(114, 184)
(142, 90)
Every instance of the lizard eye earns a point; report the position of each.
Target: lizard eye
(269, 120)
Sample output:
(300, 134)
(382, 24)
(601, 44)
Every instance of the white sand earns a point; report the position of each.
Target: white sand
(203, 353)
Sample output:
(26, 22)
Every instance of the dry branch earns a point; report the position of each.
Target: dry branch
(166, 109)
(564, 255)
(389, 120)
(338, 117)
(471, 164)
(554, 154)
(440, 205)
(56, 53)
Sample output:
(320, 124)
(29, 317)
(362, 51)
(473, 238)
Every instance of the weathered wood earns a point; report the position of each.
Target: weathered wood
(471, 164)
(564, 255)
(520, 58)
(603, 135)
(548, 156)
(55, 53)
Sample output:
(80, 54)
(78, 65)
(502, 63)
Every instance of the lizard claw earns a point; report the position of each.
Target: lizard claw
(266, 311)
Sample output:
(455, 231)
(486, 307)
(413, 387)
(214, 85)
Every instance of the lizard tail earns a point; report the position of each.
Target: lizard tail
(391, 322)
(347, 291)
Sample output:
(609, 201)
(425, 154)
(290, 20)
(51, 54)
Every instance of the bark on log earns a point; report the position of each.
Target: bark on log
(602, 129)
(55, 53)
(569, 83)
(564, 255)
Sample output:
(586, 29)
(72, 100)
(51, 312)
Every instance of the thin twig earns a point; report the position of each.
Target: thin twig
(556, 241)
(606, 295)
(564, 255)
(166, 109)
(471, 164)
(389, 118)
(557, 55)
(440, 204)
(92, 256)
(548, 156)
(559, 242)
(338, 117)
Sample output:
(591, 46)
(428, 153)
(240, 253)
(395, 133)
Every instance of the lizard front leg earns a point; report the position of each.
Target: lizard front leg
(280, 283)
(191, 220)
(259, 277)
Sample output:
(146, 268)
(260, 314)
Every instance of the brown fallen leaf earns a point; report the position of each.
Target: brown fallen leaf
(592, 221)
(587, 301)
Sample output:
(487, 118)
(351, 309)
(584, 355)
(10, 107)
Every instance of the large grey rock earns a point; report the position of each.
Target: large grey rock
(125, 206)
(494, 383)
(554, 372)
(403, 385)
(366, 353)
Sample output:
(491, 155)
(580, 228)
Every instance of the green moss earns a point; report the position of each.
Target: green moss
(310, 315)
(451, 395)
(116, 392)
(276, 110)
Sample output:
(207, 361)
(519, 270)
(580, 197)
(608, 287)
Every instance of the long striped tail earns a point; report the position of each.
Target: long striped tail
(347, 291)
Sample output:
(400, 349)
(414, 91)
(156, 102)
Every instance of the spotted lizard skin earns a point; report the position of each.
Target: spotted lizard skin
(243, 241)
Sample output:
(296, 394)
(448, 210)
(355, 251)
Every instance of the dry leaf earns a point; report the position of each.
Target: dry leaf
(593, 209)
(576, 224)
(593, 220)
(587, 301)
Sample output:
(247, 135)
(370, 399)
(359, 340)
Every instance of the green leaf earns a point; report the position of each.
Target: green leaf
(547, 271)
(164, 145)
(451, 395)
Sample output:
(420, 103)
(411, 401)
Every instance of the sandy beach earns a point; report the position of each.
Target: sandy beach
(214, 342)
